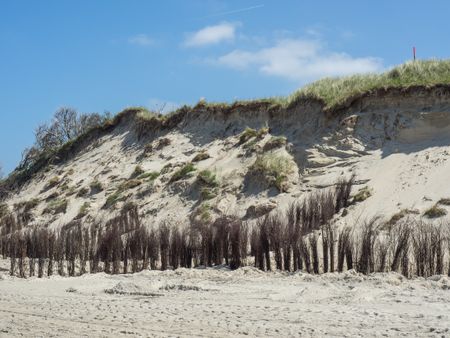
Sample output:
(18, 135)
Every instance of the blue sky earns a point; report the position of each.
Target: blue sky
(104, 55)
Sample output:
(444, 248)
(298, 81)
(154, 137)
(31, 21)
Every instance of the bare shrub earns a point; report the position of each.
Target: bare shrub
(51, 252)
(276, 230)
(399, 238)
(345, 249)
(236, 239)
(41, 250)
(314, 252)
(343, 191)
(164, 242)
(366, 261)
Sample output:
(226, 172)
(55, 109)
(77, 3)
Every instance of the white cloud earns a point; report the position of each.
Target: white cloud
(299, 60)
(212, 35)
(141, 40)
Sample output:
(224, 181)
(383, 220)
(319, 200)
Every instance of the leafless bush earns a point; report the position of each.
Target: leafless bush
(51, 252)
(328, 247)
(175, 248)
(382, 250)
(345, 249)
(275, 229)
(305, 253)
(399, 238)
(314, 252)
(428, 251)
(41, 250)
(238, 249)
(164, 243)
(366, 261)
(153, 248)
(343, 191)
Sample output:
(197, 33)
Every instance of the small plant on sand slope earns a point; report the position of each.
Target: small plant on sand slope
(201, 156)
(275, 169)
(57, 206)
(27, 206)
(208, 193)
(118, 196)
(444, 201)
(275, 142)
(249, 133)
(204, 212)
(207, 177)
(150, 176)
(82, 192)
(400, 215)
(182, 172)
(84, 209)
(53, 182)
(96, 187)
(129, 184)
(113, 199)
(362, 194)
(435, 212)
(137, 171)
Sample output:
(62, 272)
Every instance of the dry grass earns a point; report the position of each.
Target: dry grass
(435, 212)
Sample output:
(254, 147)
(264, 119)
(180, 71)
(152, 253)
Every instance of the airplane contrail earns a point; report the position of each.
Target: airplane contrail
(234, 11)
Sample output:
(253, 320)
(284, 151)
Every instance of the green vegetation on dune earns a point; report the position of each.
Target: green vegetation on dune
(333, 92)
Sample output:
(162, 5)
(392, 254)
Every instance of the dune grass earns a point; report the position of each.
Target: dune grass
(334, 91)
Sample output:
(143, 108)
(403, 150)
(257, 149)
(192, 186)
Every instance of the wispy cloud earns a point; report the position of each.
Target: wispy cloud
(141, 40)
(235, 11)
(211, 35)
(300, 60)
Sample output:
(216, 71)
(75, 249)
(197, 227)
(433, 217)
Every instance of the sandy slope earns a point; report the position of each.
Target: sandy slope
(398, 147)
(221, 303)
